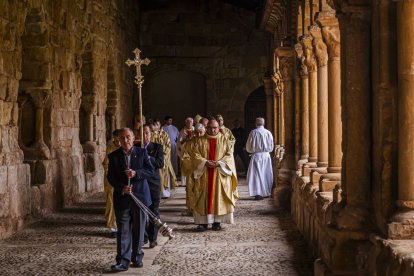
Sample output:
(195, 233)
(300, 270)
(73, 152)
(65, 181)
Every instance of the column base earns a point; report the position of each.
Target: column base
(402, 225)
(301, 162)
(316, 174)
(352, 219)
(328, 181)
(306, 169)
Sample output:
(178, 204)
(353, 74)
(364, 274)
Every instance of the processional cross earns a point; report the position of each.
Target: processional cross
(139, 80)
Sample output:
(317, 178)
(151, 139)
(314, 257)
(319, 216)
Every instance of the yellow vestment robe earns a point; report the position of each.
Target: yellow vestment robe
(167, 174)
(225, 193)
(108, 189)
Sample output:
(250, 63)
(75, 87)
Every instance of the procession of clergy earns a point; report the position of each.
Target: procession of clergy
(203, 151)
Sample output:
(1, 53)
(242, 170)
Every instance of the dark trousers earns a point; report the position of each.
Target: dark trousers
(130, 236)
(243, 156)
(152, 230)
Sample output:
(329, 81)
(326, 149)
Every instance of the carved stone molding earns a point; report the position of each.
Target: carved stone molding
(273, 13)
(302, 68)
(321, 51)
(329, 24)
(310, 59)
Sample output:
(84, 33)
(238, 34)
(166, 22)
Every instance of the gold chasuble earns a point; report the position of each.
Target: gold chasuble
(167, 174)
(229, 135)
(215, 189)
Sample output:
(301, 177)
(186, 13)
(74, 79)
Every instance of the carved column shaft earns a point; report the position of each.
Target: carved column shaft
(270, 105)
(322, 60)
(310, 62)
(405, 42)
(331, 36)
(402, 222)
(304, 103)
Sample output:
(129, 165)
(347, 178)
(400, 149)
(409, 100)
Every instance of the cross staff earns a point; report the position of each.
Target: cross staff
(139, 80)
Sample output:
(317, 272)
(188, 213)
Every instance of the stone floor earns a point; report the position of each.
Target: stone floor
(263, 241)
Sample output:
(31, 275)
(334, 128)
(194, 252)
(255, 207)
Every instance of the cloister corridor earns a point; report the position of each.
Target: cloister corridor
(263, 241)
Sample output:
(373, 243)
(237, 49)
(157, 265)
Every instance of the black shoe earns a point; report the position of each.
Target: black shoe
(119, 267)
(112, 235)
(146, 241)
(138, 265)
(153, 244)
(216, 226)
(258, 197)
(201, 228)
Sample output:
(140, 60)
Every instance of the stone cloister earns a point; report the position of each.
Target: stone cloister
(336, 75)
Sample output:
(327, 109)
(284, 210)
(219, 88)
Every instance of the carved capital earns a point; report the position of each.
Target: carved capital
(310, 59)
(278, 81)
(330, 31)
(321, 51)
(302, 68)
(39, 97)
(286, 62)
(89, 104)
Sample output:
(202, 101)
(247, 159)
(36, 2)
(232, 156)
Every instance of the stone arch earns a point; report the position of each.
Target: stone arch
(161, 89)
(254, 107)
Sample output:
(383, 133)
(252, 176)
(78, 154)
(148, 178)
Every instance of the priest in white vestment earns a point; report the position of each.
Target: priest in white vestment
(173, 133)
(260, 173)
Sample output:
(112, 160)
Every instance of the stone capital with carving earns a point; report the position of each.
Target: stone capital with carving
(39, 97)
(302, 68)
(321, 51)
(278, 81)
(310, 59)
(329, 24)
(89, 104)
(286, 62)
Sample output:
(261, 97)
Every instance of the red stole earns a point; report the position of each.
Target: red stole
(189, 132)
(211, 156)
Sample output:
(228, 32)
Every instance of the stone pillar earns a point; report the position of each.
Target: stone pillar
(310, 62)
(304, 105)
(271, 110)
(322, 62)
(287, 166)
(89, 104)
(38, 150)
(331, 35)
(403, 221)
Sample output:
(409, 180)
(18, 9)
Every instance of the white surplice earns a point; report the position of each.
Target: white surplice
(260, 173)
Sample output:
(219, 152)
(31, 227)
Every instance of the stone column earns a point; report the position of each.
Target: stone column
(287, 166)
(278, 92)
(322, 62)
(403, 226)
(38, 150)
(271, 111)
(310, 62)
(89, 104)
(331, 35)
(304, 105)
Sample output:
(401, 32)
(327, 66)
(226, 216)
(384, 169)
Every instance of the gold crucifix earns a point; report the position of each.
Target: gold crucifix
(139, 78)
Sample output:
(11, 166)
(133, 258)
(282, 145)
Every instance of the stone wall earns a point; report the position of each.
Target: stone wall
(61, 65)
(208, 38)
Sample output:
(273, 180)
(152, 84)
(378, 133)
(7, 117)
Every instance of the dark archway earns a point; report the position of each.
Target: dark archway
(177, 93)
(254, 107)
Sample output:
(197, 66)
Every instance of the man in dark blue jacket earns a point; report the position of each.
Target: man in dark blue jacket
(156, 155)
(129, 165)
